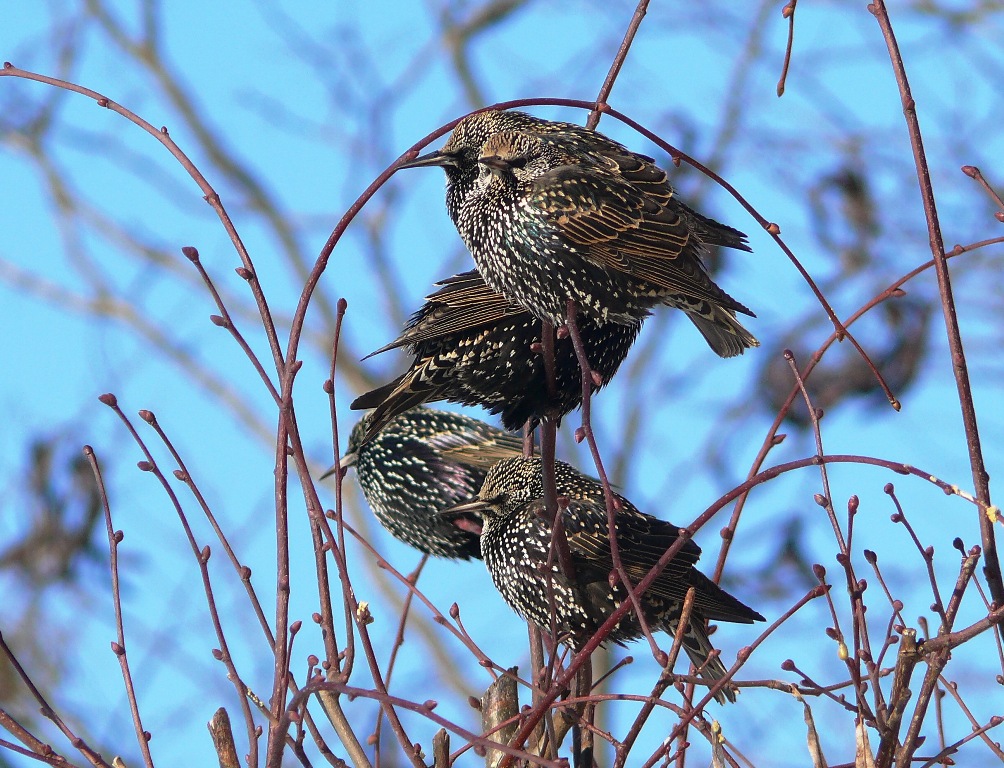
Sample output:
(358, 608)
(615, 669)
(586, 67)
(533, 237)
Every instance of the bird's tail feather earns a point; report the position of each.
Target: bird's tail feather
(698, 646)
(724, 334)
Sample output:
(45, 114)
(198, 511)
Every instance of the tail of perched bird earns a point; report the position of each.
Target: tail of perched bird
(720, 328)
(405, 392)
(699, 649)
(711, 603)
(718, 324)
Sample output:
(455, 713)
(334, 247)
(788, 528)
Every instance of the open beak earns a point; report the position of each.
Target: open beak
(348, 460)
(430, 159)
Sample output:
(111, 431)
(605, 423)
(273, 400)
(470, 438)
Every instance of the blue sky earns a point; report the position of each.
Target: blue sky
(291, 96)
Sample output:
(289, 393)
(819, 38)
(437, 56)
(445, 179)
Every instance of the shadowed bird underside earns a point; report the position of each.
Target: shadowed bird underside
(516, 541)
(471, 345)
(423, 462)
(552, 211)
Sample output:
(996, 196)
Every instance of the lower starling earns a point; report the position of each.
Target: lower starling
(554, 211)
(472, 346)
(421, 463)
(516, 542)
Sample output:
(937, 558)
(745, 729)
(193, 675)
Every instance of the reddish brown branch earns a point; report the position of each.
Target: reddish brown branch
(981, 479)
(119, 647)
(48, 712)
(202, 555)
(787, 12)
(615, 66)
(426, 709)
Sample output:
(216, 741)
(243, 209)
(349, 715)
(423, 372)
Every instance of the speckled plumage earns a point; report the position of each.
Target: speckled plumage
(471, 345)
(421, 463)
(552, 211)
(515, 542)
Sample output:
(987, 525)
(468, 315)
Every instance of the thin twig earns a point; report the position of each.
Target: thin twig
(119, 647)
(615, 66)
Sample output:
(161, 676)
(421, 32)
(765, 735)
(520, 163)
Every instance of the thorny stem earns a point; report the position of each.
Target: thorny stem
(981, 479)
(437, 615)
(926, 553)
(192, 254)
(817, 434)
(859, 627)
(548, 436)
(538, 668)
(279, 719)
(548, 428)
(337, 538)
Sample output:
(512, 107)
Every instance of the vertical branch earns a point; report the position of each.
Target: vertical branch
(548, 428)
(590, 377)
(936, 663)
(119, 647)
(279, 719)
(981, 479)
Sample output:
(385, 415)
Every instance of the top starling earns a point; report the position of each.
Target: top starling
(553, 211)
(471, 345)
(516, 546)
(423, 462)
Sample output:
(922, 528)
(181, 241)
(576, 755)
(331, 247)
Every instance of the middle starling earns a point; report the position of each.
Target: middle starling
(516, 546)
(473, 346)
(421, 463)
(553, 211)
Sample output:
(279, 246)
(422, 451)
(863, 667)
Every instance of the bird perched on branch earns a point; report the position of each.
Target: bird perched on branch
(516, 544)
(553, 211)
(471, 345)
(421, 463)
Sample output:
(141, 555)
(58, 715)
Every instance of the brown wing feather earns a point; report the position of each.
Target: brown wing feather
(646, 538)
(487, 453)
(464, 302)
(618, 227)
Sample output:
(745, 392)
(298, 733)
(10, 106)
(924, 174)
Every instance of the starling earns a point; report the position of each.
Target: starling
(421, 463)
(516, 541)
(554, 211)
(471, 345)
